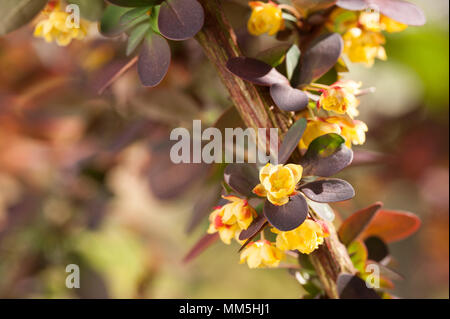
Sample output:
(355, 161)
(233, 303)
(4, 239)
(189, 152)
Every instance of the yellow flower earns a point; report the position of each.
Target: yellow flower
(261, 254)
(316, 128)
(341, 98)
(238, 211)
(364, 46)
(230, 219)
(278, 182)
(265, 18)
(373, 21)
(226, 232)
(306, 238)
(59, 27)
(389, 25)
(353, 131)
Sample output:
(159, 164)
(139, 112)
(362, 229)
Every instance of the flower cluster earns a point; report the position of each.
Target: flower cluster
(362, 34)
(229, 220)
(340, 102)
(58, 26)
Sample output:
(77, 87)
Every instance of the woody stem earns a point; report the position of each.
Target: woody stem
(255, 106)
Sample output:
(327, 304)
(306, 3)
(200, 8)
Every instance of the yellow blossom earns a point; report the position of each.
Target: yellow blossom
(238, 211)
(59, 27)
(374, 21)
(364, 46)
(278, 182)
(261, 254)
(306, 238)
(316, 128)
(230, 219)
(265, 18)
(341, 98)
(389, 25)
(353, 131)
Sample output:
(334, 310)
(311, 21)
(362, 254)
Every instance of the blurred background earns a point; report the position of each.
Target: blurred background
(85, 178)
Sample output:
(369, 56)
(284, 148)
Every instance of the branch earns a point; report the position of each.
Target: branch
(255, 107)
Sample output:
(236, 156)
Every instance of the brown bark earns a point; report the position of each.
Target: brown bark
(255, 107)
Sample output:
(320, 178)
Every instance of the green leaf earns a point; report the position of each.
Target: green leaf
(16, 13)
(132, 15)
(136, 37)
(110, 25)
(91, 10)
(292, 60)
(358, 254)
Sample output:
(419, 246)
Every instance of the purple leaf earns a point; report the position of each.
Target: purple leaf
(326, 156)
(241, 177)
(291, 140)
(353, 287)
(256, 71)
(255, 227)
(180, 19)
(400, 11)
(289, 216)
(154, 60)
(287, 98)
(328, 190)
(320, 57)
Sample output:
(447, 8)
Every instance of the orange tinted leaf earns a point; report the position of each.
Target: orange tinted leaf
(353, 226)
(392, 225)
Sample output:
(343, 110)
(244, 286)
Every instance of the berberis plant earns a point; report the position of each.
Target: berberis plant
(279, 214)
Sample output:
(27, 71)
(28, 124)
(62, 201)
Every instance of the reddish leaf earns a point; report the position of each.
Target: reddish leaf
(353, 226)
(204, 242)
(392, 226)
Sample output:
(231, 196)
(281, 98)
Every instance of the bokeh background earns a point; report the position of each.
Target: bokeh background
(85, 178)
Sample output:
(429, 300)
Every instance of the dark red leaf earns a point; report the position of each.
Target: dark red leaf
(326, 156)
(328, 190)
(255, 227)
(241, 177)
(180, 19)
(376, 248)
(255, 71)
(354, 225)
(287, 98)
(154, 60)
(291, 140)
(289, 216)
(320, 57)
(353, 287)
